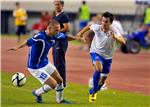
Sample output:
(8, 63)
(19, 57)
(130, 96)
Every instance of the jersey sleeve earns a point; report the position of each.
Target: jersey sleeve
(61, 36)
(116, 31)
(65, 19)
(95, 27)
(33, 40)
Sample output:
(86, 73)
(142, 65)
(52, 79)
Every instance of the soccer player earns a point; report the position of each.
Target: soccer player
(102, 50)
(60, 47)
(38, 64)
(20, 15)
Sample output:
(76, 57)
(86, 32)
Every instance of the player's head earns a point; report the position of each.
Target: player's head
(17, 5)
(58, 4)
(107, 19)
(53, 28)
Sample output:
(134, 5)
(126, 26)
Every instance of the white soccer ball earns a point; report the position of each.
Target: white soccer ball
(18, 79)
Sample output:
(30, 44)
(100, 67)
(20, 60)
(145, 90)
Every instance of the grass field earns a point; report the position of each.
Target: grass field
(76, 93)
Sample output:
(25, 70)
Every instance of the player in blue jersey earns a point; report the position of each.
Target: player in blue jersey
(38, 64)
(102, 50)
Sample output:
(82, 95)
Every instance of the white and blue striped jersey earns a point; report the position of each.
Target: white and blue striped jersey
(40, 45)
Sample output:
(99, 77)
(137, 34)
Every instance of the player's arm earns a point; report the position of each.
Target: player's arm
(85, 29)
(65, 28)
(71, 37)
(19, 46)
(119, 39)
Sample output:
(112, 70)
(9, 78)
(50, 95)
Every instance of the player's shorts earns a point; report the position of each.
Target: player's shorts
(105, 62)
(44, 73)
(83, 24)
(20, 30)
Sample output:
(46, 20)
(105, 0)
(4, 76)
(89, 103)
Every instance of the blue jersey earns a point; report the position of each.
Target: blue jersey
(40, 45)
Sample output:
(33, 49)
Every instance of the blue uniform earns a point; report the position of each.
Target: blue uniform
(60, 48)
(40, 45)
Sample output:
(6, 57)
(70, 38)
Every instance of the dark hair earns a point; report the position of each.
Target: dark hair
(83, 2)
(52, 22)
(61, 2)
(17, 3)
(108, 15)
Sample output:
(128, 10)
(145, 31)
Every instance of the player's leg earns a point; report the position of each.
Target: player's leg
(48, 81)
(98, 66)
(60, 87)
(101, 82)
(59, 51)
(105, 72)
(18, 33)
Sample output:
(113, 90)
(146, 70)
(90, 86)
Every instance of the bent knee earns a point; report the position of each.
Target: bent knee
(98, 66)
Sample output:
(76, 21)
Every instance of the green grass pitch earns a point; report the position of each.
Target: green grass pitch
(21, 97)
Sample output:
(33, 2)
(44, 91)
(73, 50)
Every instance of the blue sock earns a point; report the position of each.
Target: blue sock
(96, 78)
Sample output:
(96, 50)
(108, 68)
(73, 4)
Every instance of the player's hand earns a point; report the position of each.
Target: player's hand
(78, 38)
(13, 49)
(112, 34)
(78, 35)
(81, 39)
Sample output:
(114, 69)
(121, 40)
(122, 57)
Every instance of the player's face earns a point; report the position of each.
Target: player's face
(53, 30)
(58, 6)
(106, 23)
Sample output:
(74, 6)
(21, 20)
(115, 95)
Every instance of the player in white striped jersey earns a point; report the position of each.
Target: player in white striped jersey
(102, 50)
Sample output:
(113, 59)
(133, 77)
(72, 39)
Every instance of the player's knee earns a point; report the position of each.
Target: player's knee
(98, 66)
(52, 84)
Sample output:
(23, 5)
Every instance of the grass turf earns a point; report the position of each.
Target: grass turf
(76, 93)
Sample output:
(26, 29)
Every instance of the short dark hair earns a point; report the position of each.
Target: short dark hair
(84, 2)
(61, 2)
(52, 22)
(17, 3)
(108, 15)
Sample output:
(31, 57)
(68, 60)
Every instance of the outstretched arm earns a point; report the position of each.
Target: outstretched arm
(85, 29)
(19, 46)
(119, 39)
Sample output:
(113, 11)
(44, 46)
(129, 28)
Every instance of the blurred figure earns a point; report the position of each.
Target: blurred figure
(147, 16)
(116, 23)
(84, 14)
(20, 20)
(60, 47)
(45, 18)
(147, 20)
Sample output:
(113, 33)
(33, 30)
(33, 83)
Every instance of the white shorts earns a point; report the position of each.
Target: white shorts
(44, 73)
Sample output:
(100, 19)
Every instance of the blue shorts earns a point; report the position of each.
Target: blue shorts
(83, 24)
(105, 62)
(21, 30)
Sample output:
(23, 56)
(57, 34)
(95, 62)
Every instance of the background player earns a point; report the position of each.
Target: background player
(20, 20)
(101, 51)
(60, 47)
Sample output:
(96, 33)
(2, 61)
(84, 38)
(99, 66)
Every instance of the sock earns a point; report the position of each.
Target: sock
(99, 87)
(59, 92)
(42, 90)
(96, 78)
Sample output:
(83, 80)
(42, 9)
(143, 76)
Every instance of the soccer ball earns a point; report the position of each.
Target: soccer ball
(18, 79)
